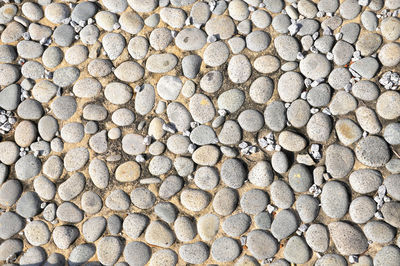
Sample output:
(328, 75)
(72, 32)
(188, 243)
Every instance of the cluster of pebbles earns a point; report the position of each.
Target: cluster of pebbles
(173, 132)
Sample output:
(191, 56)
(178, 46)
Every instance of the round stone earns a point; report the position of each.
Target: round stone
(233, 173)
(362, 209)
(137, 253)
(315, 66)
(194, 199)
(133, 144)
(389, 54)
(225, 249)
(297, 251)
(372, 151)
(379, 232)
(251, 120)
(142, 198)
(239, 69)
(334, 199)
(347, 238)
(254, 201)
(388, 105)
(225, 201)
(194, 253)
(317, 237)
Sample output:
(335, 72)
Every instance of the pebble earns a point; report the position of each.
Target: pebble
(393, 166)
(281, 23)
(291, 141)
(379, 232)
(10, 192)
(25, 133)
(315, 66)
(368, 120)
(254, 201)
(319, 127)
(29, 49)
(366, 67)
(169, 87)
(194, 199)
(179, 116)
(69, 212)
(225, 249)
(347, 238)
(236, 225)
(159, 234)
(284, 224)
(307, 208)
(389, 28)
(216, 54)
(279, 162)
(389, 54)
(389, 255)
(27, 167)
(33, 256)
(231, 100)
(99, 173)
(275, 116)
(334, 259)
(362, 209)
(64, 235)
(222, 26)
(387, 105)
(138, 47)
(372, 151)
(131, 22)
(261, 90)
(135, 224)
(106, 20)
(365, 180)
(128, 71)
(391, 133)
(281, 194)
(296, 250)
(7, 53)
(342, 103)
(191, 39)
(194, 253)
(137, 253)
(165, 256)
(225, 201)
(10, 74)
(233, 173)
(335, 199)
(317, 237)
(191, 66)
(207, 155)
(12, 32)
(290, 86)
(52, 57)
(287, 47)
(109, 249)
(390, 215)
(261, 244)
(239, 69)
(207, 226)
(365, 90)
(185, 228)
(10, 247)
(170, 186)
(56, 12)
(251, 120)
(348, 131)
(257, 41)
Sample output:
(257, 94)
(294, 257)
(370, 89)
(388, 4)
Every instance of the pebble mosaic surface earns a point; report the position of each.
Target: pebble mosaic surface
(215, 132)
